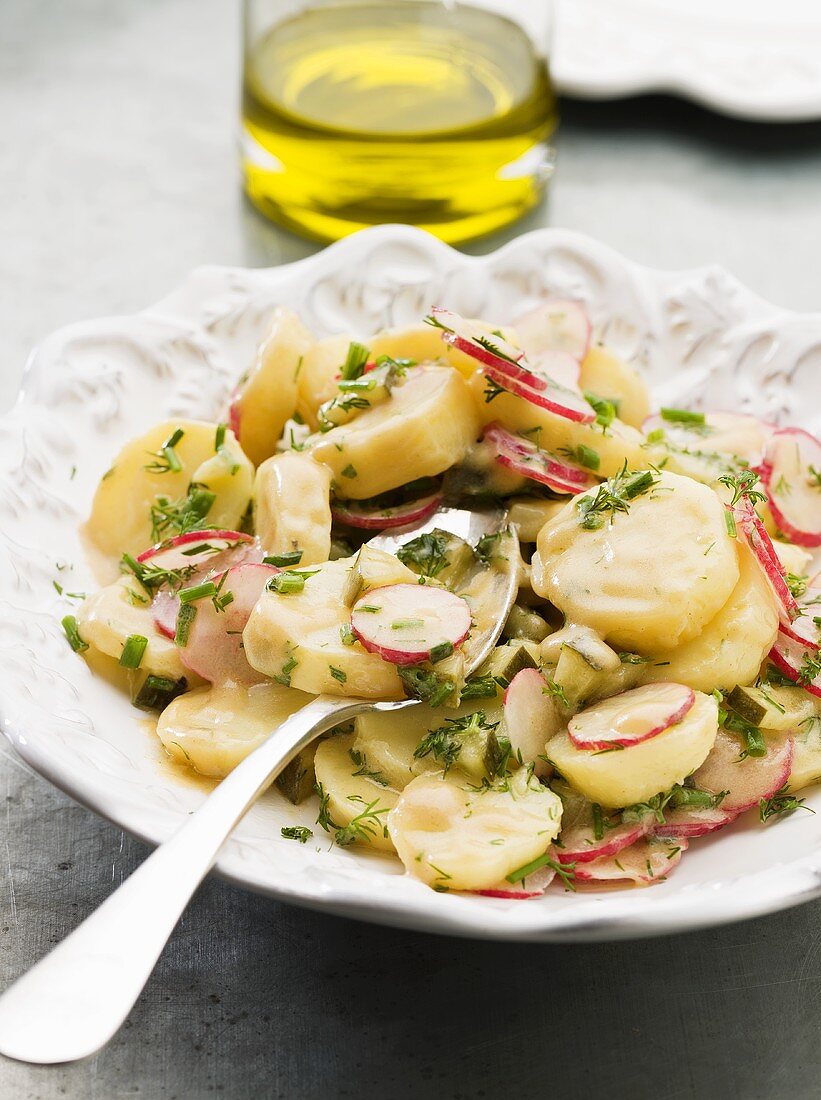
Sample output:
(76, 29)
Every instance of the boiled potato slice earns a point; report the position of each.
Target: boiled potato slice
(267, 397)
(319, 375)
(109, 617)
(606, 375)
(794, 559)
(388, 738)
(425, 427)
(214, 728)
(618, 444)
(422, 343)
(648, 579)
(457, 837)
(634, 774)
(529, 515)
(806, 763)
(120, 518)
(355, 802)
(292, 506)
(730, 649)
(297, 638)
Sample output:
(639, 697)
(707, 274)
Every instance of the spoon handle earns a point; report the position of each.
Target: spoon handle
(74, 1000)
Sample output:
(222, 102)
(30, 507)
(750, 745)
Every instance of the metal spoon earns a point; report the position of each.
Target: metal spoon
(76, 998)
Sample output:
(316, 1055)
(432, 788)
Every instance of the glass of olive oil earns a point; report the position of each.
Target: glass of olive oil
(431, 112)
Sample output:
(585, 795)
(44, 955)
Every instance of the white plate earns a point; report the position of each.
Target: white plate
(700, 337)
(754, 59)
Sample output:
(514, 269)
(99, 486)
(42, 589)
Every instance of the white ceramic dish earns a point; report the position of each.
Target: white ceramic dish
(750, 58)
(701, 338)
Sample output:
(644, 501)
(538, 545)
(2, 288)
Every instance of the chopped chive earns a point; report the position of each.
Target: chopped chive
(284, 677)
(291, 557)
(73, 634)
(158, 691)
(682, 416)
(440, 652)
(133, 651)
(656, 436)
(370, 608)
(407, 624)
(289, 582)
(729, 522)
(338, 674)
(185, 617)
(349, 471)
(219, 436)
(346, 634)
(355, 361)
(197, 592)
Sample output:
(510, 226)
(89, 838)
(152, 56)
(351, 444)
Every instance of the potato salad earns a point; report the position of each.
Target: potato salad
(658, 675)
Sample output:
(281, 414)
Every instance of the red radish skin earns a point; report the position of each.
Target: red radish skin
(464, 335)
(169, 555)
(413, 511)
(631, 717)
(559, 324)
(795, 495)
(750, 525)
(645, 862)
(532, 887)
(410, 622)
(690, 822)
(547, 395)
(579, 843)
(804, 629)
(529, 461)
(746, 781)
(234, 414)
(214, 649)
(790, 657)
(165, 607)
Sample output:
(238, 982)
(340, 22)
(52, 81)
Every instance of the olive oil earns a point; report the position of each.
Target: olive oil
(429, 113)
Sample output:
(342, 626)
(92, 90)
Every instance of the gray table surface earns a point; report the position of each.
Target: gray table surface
(117, 175)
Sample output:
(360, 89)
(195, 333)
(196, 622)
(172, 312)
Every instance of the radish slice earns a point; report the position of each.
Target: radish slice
(749, 523)
(632, 717)
(204, 553)
(355, 514)
(531, 887)
(558, 366)
(723, 432)
(644, 862)
(202, 547)
(805, 629)
(797, 662)
(545, 393)
(528, 460)
(476, 340)
(792, 473)
(559, 324)
(689, 822)
(530, 717)
(214, 648)
(409, 623)
(746, 781)
(579, 843)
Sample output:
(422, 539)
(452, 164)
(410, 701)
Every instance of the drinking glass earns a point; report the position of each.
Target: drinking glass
(431, 112)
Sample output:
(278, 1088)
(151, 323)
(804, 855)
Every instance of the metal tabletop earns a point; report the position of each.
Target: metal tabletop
(117, 175)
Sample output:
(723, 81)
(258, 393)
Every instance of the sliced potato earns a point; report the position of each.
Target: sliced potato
(634, 774)
(351, 797)
(267, 397)
(795, 559)
(606, 375)
(292, 506)
(423, 343)
(455, 837)
(425, 427)
(120, 519)
(648, 579)
(319, 375)
(109, 617)
(529, 515)
(806, 762)
(619, 444)
(296, 638)
(214, 728)
(730, 649)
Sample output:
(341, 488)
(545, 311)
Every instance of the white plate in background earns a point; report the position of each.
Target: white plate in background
(755, 59)
(699, 336)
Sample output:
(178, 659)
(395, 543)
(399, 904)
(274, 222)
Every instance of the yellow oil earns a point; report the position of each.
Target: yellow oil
(435, 114)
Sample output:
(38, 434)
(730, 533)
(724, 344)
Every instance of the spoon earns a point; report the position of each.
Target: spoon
(77, 997)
